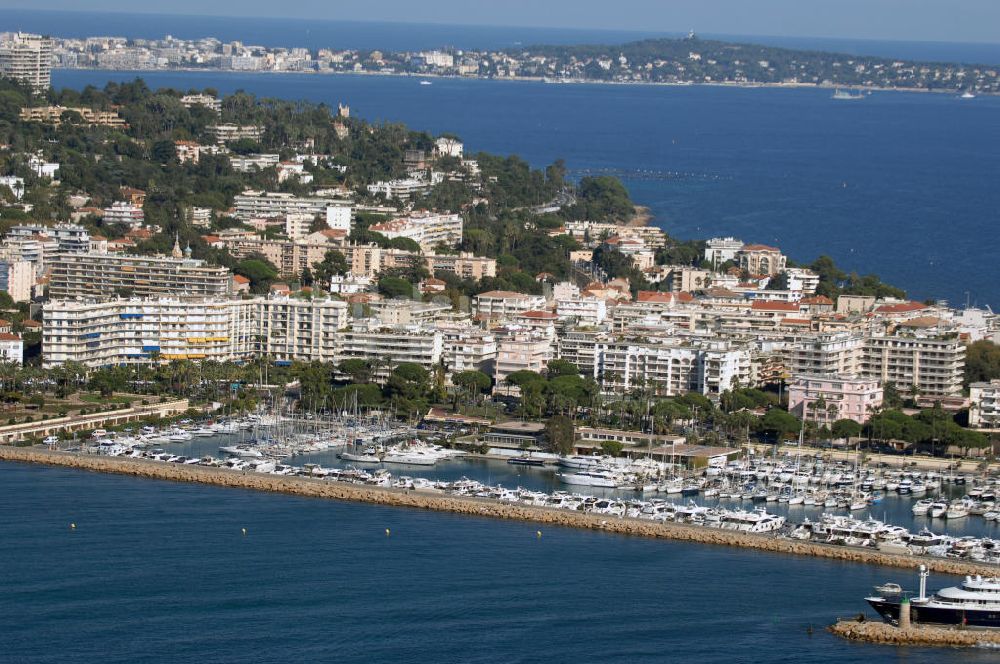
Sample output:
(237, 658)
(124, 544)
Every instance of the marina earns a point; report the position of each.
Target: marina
(826, 534)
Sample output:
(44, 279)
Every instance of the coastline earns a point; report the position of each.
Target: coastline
(525, 79)
(317, 488)
(641, 216)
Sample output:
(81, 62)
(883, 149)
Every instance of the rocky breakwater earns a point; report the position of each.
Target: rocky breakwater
(917, 635)
(317, 488)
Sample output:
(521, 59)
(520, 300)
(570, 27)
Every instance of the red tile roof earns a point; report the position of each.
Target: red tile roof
(661, 297)
(901, 308)
(774, 305)
(538, 315)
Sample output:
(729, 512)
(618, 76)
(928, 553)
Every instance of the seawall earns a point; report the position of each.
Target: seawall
(885, 634)
(317, 488)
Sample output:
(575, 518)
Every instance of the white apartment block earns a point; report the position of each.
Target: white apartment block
(225, 133)
(428, 229)
(143, 331)
(721, 249)
(388, 346)
(276, 205)
(11, 348)
(124, 213)
(468, 348)
(27, 58)
(801, 279)
(933, 364)
(106, 275)
(208, 101)
(984, 405)
(253, 162)
(505, 305)
(70, 237)
(400, 189)
(827, 355)
(668, 367)
(583, 310)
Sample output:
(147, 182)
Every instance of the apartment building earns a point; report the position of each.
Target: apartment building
(291, 329)
(106, 275)
(388, 346)
(468, 348)
(28, 59)
(253, 162)
(464, 264)
(121, 212)
(277, 205)
(718, 250)
(142, 331)
(70, 237)
(984, 405)
(11, 348)
(933, 364)
(824, 399)
(521, 351)
(53, 115)
(225, 133)
(583, 310)
(668, 366)
(505, 305)
(827, 355)
(428, 229)
(208, 101)
(137, 331)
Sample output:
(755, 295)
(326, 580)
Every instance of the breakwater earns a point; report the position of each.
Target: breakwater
(885, 634)
(318, 488)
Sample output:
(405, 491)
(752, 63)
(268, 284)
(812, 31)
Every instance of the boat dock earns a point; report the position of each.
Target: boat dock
(470, 506)
(876, 631)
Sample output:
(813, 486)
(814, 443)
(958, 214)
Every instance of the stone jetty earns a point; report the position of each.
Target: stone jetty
(318, 488)
(915, 635)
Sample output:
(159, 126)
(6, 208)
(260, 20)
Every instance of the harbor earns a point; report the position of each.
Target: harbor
(354, 487)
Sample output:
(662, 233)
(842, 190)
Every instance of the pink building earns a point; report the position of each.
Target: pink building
(826, 399)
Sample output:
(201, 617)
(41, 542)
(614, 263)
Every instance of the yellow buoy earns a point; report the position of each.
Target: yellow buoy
(244, 531)
(386, 532)
(72, 526)
(538, 533)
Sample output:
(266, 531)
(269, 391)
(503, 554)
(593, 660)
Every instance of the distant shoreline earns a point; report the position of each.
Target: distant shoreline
(524, 79)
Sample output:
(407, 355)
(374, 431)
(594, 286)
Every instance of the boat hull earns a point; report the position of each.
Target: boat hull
(930, 615)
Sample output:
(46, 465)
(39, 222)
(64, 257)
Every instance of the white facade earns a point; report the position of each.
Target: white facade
(27, 58)
(984, 405)
(142, 331)
(505, 305)
(428, 229)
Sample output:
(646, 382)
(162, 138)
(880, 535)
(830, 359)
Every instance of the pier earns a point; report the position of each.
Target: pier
(318, 488)
(914, 635)
(13, 433)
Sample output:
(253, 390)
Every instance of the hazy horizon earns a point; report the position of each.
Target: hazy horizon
(876, 20)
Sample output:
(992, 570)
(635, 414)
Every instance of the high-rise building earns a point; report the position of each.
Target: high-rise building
(27, 58)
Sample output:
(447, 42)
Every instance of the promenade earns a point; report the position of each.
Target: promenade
(318, 488)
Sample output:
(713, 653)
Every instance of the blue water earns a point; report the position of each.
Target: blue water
(160, 572)
(901, 184)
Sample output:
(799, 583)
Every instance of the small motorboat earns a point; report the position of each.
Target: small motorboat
(889, 589)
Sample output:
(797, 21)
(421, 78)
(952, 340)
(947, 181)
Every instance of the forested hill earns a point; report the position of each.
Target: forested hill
(694, 60)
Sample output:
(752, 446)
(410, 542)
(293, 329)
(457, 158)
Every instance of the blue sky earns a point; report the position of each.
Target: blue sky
(918, 20)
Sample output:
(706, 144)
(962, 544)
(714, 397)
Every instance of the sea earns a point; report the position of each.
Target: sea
(162, 572)
(900, 184)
